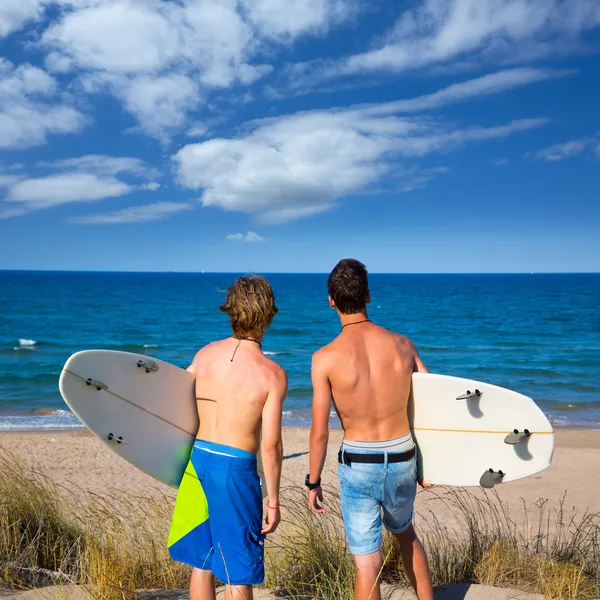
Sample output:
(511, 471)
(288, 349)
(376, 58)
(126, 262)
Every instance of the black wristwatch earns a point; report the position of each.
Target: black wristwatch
(312, 486)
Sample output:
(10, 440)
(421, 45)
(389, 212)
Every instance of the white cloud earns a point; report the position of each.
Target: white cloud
(558, 152)
(15, 13)
(486, 85)
(28, 109)
(295, 166)
(446, 36)
(281, 19)
(11, 212)
(437, 31)
(135, 214)
(45, 192)
(161, 58)
(8, 180)
(101, 164)
(499, 162)
(249, 237)
(153, 186)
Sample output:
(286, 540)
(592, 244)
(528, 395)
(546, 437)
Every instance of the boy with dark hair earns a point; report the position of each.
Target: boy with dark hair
(366, 373)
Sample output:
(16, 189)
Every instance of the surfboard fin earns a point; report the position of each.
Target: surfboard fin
(490, 478)
(469, 394)
(97, 384)
(516, 437)
(148, 365)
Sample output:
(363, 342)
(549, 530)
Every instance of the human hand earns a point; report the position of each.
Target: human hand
(272, 519)
(315, 501)
(425, 484)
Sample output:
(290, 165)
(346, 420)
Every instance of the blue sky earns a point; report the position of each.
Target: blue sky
(270, 135)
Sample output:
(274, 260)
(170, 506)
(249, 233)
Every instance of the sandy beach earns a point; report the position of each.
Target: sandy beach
(80, 463)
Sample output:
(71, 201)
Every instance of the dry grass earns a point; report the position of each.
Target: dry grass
(117, 544)
(113, 545)
(555, 554)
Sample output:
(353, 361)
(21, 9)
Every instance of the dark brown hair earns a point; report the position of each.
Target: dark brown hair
(348, 286)
(250, 304)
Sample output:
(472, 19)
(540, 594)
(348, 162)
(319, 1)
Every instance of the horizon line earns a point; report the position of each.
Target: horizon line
(178, 272)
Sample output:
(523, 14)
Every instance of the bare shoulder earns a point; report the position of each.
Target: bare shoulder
(276, 373)
(323, 357)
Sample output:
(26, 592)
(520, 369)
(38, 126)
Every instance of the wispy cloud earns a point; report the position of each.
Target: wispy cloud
(31, 107)
(438, 31)
(135, 214)
(249, 237)
(558, 152)
(499, 162)
(44, 192)
(101, 164)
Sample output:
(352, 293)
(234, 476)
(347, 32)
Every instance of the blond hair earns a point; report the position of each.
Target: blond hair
(250, 304)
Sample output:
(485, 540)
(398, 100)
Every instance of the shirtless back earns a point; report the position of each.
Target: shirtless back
(366, 373)
(369, 370)
(239, 395)
(231, 394)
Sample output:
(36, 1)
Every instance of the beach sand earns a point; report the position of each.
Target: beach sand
(82, 464)
(79, 461)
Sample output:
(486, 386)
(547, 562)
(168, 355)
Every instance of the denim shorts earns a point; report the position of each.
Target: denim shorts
(372, 491)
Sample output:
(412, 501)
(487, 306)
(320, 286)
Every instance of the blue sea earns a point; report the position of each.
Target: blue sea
(538, 334)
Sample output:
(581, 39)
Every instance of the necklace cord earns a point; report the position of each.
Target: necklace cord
(357, 323)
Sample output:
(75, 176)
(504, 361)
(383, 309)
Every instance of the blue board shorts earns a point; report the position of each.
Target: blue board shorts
(217, 520)
(376, 493)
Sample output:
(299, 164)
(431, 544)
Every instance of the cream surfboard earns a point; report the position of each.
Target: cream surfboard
(142, 408)
(472, 433)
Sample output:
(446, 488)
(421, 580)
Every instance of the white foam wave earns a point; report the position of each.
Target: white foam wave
(150, 345)
(26, 342)
(58, 419)
(286, 413)
(269, 353)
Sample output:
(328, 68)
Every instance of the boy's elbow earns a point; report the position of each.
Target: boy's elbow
(272, 448)
(319, 435)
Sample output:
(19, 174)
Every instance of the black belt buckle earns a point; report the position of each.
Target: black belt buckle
(343, 458)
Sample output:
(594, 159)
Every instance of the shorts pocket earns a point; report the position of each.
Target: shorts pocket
(352, 481)
(254, 545)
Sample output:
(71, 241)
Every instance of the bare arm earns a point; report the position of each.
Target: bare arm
(319, 431)
(419, 364)
(272, 449)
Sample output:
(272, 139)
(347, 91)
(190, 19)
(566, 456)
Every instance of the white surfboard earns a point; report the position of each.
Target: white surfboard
(142, 408)
(472, 433)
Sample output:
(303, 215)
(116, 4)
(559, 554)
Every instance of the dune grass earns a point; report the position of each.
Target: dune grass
(116, 544)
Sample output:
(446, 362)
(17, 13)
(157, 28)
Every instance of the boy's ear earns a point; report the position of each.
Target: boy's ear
(331, 302)
(368, 300)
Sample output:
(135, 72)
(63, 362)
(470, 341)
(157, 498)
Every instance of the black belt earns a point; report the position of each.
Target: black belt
(346, 458)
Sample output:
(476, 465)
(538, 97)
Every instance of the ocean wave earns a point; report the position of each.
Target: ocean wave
(151, 346)
(40, 419)
(26, 342)
(562, 406)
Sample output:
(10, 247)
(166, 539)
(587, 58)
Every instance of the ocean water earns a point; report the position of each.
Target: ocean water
(537, 334)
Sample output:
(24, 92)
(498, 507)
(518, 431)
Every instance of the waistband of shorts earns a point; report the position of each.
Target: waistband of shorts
(398, 445)
(225, 455)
